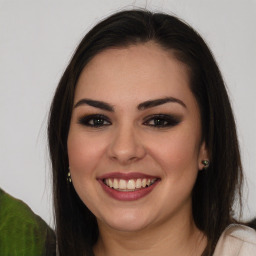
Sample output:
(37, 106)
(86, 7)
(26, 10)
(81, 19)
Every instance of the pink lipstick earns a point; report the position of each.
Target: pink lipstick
(128, 186)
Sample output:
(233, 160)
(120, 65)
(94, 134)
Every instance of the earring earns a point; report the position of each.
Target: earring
(69, 177)
(206, 164)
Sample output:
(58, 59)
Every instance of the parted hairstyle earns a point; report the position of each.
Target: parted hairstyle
(216, 189)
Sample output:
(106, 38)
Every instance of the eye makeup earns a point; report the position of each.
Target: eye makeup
(94, 120)
(162, 120)
(155, 120)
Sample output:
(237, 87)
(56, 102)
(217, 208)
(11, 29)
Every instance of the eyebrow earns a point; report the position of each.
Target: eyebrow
(153, 103)
(142, 106)
(96, 104)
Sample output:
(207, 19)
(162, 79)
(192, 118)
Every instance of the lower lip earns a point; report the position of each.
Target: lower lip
(128, 196)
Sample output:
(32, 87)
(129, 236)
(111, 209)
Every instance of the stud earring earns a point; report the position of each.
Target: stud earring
(69, 177)
(205, 163)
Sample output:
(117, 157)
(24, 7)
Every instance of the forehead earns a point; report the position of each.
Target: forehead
(144, 71)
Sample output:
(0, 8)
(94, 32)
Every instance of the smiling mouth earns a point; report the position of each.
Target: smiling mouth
(129, 185)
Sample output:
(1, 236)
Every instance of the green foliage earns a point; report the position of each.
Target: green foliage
(22, 233)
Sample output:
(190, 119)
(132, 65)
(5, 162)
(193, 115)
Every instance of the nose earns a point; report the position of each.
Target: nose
(126, 146)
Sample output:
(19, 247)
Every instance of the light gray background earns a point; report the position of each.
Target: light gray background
(37, 39)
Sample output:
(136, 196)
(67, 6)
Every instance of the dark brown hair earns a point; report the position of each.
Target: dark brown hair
(216, 188)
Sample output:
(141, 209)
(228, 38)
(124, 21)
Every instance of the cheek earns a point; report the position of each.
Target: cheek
(176, 153)
(178, 158)
(84, 152)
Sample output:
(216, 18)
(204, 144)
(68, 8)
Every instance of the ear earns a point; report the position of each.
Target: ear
(203, 155)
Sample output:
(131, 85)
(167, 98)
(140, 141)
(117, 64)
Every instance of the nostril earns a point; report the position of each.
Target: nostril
(125, 145)
(126, 154)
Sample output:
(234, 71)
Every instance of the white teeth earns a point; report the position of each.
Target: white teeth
(129, 185)
(122, 184)
(115, 184)
(138, 183)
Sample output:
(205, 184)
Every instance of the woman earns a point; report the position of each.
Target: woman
(141, 127)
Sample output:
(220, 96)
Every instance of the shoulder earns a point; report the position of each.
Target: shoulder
(237, 240)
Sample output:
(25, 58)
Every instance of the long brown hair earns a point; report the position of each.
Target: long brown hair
(215, 190)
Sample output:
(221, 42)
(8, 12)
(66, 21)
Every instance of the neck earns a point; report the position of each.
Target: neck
(173, 237)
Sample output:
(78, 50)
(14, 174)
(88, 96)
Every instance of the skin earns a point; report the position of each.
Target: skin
(162, 220)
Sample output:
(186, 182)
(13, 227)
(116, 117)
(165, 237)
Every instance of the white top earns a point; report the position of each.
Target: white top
(236, 240)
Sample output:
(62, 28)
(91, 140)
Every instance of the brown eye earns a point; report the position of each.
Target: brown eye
(161, 121)
(94, 121)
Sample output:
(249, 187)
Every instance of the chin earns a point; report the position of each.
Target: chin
(126, 222)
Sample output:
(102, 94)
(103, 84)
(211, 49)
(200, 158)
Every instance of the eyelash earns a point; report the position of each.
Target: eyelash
(101, 119)
(159, 121)
(162, 121)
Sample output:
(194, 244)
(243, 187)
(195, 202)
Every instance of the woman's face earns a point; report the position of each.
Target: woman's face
(134, 143)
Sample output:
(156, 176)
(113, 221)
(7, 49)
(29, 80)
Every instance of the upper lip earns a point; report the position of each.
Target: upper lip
(125, 176)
